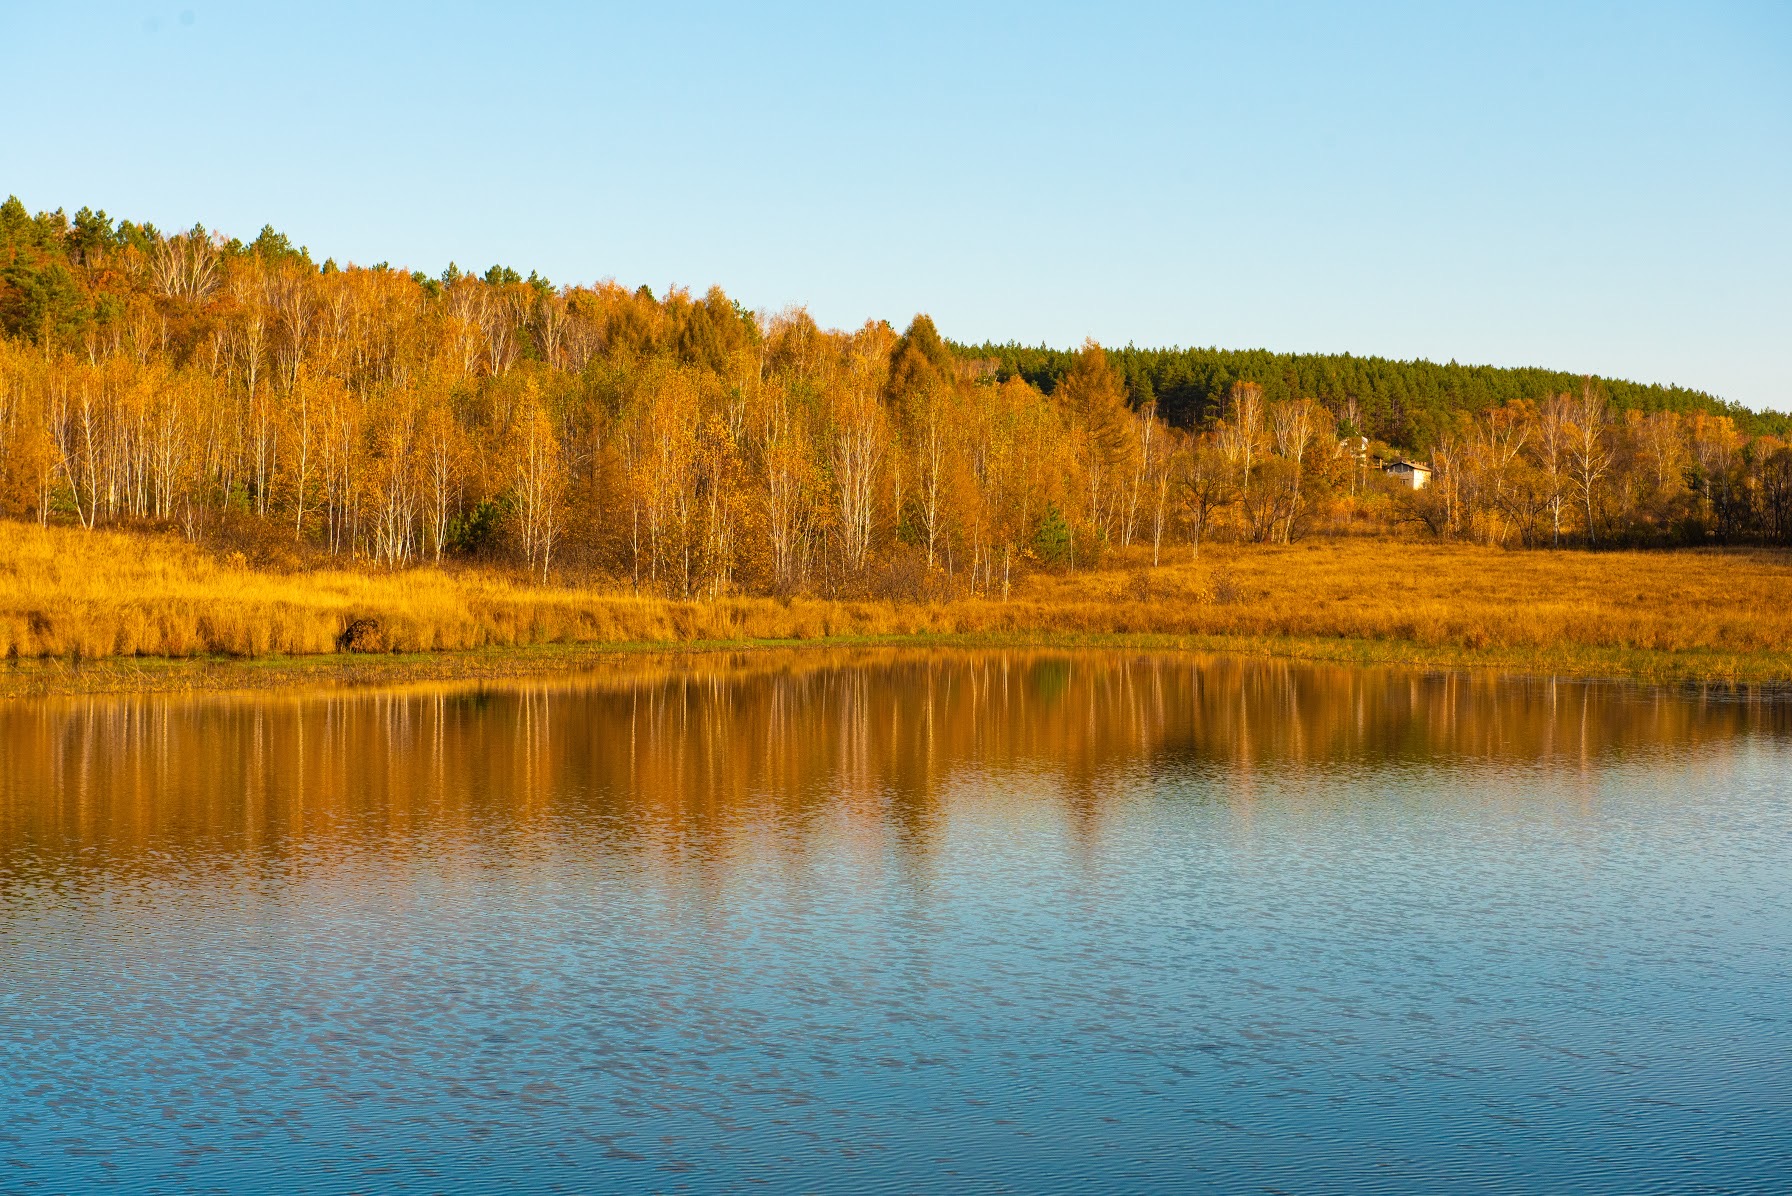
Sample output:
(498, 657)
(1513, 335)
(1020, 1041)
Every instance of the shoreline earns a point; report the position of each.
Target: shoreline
(34, 677)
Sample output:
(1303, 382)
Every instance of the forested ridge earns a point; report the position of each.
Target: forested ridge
(1409, 403)
(258, 401)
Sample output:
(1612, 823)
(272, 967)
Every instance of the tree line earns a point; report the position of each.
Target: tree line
(244, 394)
(1409, 403)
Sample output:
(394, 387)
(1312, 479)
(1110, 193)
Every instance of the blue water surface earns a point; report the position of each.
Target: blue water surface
(1034, 957)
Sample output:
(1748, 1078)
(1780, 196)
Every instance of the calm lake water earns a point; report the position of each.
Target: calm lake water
(887, 922)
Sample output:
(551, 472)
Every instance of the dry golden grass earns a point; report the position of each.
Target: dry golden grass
(1717, 614)
(1466, 596)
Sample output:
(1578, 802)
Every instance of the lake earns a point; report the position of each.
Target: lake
(896, 921)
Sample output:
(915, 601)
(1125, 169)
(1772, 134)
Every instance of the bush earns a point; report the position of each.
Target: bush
(362, 635)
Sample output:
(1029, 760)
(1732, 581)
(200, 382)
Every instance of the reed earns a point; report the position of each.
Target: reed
(73, 594)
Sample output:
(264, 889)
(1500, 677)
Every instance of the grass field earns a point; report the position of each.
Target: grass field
(116, 604)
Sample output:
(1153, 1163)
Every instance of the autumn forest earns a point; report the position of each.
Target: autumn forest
(253, 400)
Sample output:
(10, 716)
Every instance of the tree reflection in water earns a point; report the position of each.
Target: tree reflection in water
(667, 751)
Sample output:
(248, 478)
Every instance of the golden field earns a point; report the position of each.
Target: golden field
(68, 595)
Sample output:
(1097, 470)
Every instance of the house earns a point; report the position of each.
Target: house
(1408, 473)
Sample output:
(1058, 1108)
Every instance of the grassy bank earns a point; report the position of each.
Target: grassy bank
(91, 612)
(54, 675)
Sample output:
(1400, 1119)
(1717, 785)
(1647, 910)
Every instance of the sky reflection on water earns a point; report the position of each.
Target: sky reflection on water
(895, 922)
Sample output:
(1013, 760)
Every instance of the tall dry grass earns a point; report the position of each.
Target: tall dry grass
(69, 592)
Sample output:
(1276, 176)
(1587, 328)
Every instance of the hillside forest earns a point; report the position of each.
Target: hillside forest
(257, 401)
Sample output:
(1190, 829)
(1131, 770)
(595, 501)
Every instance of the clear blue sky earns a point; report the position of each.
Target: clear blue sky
(1601, 187)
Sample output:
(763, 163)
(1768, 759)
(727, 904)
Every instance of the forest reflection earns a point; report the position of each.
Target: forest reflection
(650, 747)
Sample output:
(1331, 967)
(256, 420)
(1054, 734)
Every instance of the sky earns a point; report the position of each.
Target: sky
(1591, 187)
